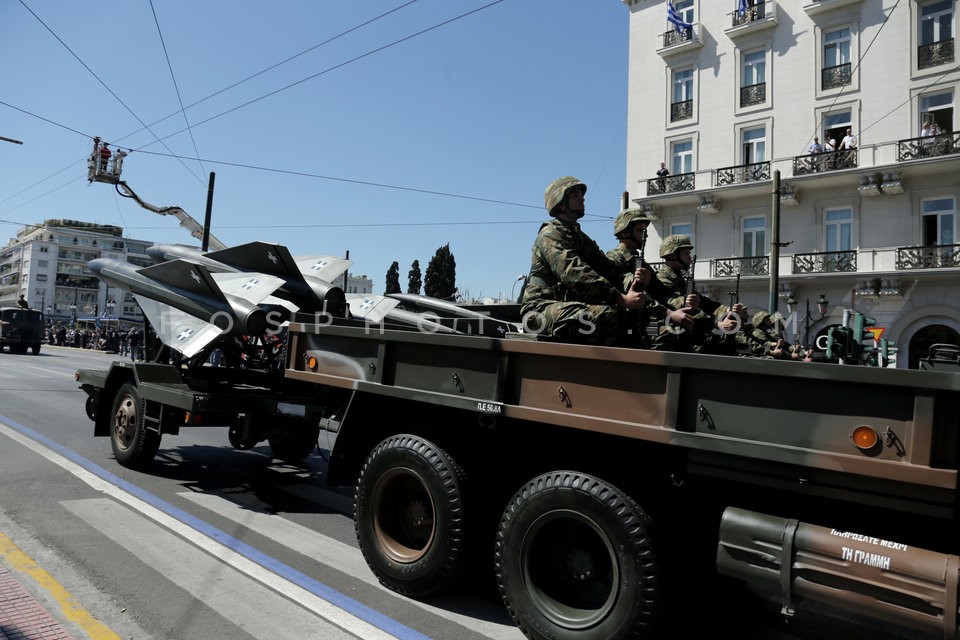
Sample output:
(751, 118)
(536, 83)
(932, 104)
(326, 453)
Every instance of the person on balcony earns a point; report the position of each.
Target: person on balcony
(849, 141)
(815, 146)
(662, 174)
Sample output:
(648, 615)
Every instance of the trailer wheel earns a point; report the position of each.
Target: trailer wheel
(133, 445)
(574, 559)
(408, 516)
(297, 444)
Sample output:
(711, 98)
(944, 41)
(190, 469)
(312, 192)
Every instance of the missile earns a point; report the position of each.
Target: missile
(307, 280)
(188, 305)
(463, 320)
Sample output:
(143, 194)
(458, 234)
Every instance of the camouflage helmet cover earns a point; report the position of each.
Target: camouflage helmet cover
(760, 317)
(626, 218)
(557, 191)
(672, 244)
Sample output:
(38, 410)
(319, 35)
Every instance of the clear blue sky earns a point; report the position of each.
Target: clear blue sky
(387, 149)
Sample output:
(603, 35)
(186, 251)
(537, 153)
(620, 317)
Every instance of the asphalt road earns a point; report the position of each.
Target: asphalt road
(213, 543)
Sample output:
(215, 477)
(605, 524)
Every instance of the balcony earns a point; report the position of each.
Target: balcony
(941, 256)
(823, 162)
(755, 172)
(825, 262)
(670, 184)
(928, 146)
(681, 110)
(819, 6)
(761, 15)
(745, 266)
(754, 94)
(835, 77)
(677, 40)
(935, 53)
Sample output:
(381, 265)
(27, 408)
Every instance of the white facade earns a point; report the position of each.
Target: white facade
(47, 264)
(737, 99)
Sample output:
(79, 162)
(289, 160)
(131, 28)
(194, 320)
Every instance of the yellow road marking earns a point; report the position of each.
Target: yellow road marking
(19, 561)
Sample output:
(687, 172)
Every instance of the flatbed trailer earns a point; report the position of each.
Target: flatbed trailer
(590, 480)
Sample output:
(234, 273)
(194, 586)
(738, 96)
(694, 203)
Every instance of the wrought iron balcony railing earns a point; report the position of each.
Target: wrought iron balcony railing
(681, 110)
(935, 53)
(754, 172)
(928, 146)
(941, 256)
(754, 94)
(675, 36)
(833, 77)
(825, 262)
(752, 14)
(669, 184)
(829, 161)
(745, 266)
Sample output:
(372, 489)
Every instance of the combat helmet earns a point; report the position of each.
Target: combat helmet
(626, 218)
(759, 318)
(672, 244)
(558, 189)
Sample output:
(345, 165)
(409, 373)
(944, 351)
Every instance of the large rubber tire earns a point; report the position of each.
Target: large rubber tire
(574, 560)
(133, 445)
(295, 446)
(35, 348)
(408, 516)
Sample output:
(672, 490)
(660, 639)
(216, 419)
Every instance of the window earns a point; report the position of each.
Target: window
(754, 234)
(939, 221)
(43, 264)
(41, 277)
(835, 126)
(754, 145)
(838, 229)
(937, 107)
(681, 154)
(935, 44)
(684, 9)
(753, 89)
(681, 105)
(836, 59)
(682, 229)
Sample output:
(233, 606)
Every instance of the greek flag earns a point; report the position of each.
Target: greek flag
(674, 18)
(742, 8)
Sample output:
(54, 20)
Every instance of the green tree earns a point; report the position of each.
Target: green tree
(393, 278)
(414, 278)
(441, 280)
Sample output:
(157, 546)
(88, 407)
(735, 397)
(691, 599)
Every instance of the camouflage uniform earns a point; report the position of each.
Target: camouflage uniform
(760, 339)
(573, 290)
(702, 339)
(626, 260)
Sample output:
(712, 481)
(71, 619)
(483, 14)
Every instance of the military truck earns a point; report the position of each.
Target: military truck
(592, 483)
(21, 329)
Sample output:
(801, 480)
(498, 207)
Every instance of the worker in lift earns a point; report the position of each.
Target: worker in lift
(104, 157)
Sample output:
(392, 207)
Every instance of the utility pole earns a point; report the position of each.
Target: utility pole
(775, 243)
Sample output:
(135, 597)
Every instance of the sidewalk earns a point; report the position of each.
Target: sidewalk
(22, 617)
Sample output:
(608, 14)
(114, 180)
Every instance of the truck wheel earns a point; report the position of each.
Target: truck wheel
(133, 445)
(35, 349)
(574, 559)
(295, 446)
(408, 515)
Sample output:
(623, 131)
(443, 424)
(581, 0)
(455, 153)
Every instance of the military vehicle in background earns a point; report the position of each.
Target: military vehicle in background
(21, 329)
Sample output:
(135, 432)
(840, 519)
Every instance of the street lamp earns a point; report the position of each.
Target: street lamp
(73, 314)
(822, 305)
(520, 277)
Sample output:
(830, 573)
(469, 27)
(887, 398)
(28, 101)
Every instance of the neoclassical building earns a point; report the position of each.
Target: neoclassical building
(735, 101)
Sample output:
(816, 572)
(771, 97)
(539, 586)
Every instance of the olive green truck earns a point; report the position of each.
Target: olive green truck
(585, 479)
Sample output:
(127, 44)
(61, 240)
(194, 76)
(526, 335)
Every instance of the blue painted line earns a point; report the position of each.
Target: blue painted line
(317, 588)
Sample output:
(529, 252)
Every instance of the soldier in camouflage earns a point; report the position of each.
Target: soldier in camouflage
(761, 339)
(574, 292)
(714, 324)
(630, 228)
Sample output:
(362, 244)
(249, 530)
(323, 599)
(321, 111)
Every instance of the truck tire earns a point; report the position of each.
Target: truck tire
(35, 348)
(295, 446)
(133, 445)
(574, 560)
(408, 516)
